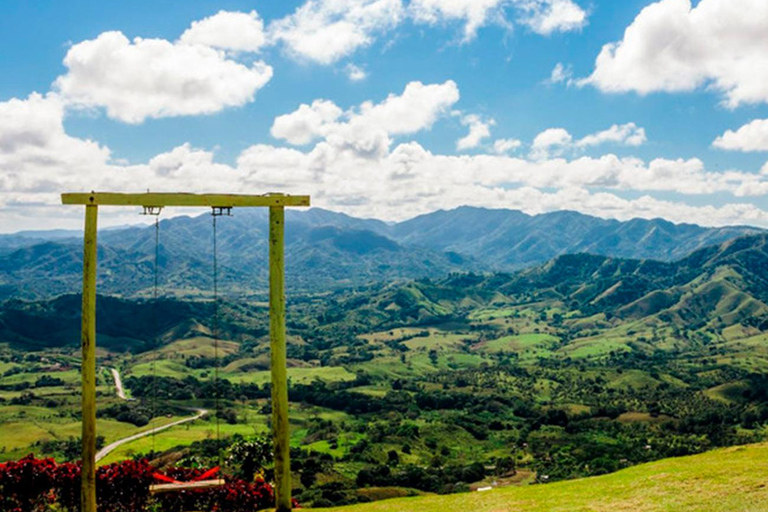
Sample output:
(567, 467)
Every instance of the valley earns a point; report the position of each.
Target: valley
(579, 367)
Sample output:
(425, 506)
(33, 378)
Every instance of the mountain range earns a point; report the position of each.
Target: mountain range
(719, 289)
(326, 250)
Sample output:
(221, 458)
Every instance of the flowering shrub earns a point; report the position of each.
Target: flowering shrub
(234, 496)
(27, 485)
(32, 485)
(120, 487)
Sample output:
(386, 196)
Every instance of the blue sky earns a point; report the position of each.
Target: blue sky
(390, 108)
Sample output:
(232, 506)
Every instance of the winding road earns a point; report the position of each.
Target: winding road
(111, 446)
(199, 413)
(118, 383)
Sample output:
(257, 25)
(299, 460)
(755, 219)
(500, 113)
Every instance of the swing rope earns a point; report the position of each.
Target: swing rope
(156, 324)
(215, 334)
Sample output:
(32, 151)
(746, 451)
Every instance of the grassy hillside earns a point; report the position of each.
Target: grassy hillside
(722, 480)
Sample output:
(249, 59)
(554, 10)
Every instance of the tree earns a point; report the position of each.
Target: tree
(250, 456)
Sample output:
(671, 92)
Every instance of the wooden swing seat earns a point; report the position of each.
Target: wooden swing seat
(185, 486)
(201, 482)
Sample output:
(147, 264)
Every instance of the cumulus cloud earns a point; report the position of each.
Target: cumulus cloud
(479, 129)
(368, 129)
(306, 123)
(551, 139)
(153, 78)
(672, 46)
(560, 74)
(473, 13)
(501, 146)
(36, 152)
(325, 31)
(417, 181)
(628, 134)
(541, 16)
(750, 137)
(355, 73)
(235, 31)
(394, 181)
(554, 141)
(548, 16)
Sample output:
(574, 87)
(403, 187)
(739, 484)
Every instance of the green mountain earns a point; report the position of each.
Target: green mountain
(508, 239)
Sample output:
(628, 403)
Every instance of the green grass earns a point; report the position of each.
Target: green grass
(533, 342)
(489, 314)
(730, 392)
(344, 442)
(731, 479)
(296, 375)
(68, 376)
(437, 340)
(162, 368)
(197, 347)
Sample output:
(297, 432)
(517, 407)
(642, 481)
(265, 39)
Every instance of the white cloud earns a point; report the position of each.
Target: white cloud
(750, 137)
(628, 134)
(550, 140)
(417, 181)
(355, 73)
(501, 146)
(38, 160)
(541, 16)
(478, 130)
(325, 31)
(235, 31)
(152, 78)
(561, 74)
(671, 46)
(307, 123)
(474, 13)
(367, 129)
(547, 16)
(35, 151)
(554, 141)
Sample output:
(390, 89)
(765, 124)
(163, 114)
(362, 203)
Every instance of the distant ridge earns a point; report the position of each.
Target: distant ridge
(329, 250)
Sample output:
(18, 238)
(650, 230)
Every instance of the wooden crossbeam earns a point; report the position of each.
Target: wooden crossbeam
(160, 199)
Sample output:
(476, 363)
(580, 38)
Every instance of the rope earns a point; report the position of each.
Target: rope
(216, 337)
(156, 324)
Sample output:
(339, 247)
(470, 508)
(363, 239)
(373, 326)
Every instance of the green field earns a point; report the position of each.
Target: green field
(727, 480)
(295, 375)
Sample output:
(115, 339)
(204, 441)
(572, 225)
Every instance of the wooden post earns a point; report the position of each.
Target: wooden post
(88, 369)
(280, 429)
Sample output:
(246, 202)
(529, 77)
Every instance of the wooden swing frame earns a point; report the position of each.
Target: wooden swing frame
(280, 433)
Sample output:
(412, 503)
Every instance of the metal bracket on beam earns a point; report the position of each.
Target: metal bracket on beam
(218, 211)
(152, 210)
